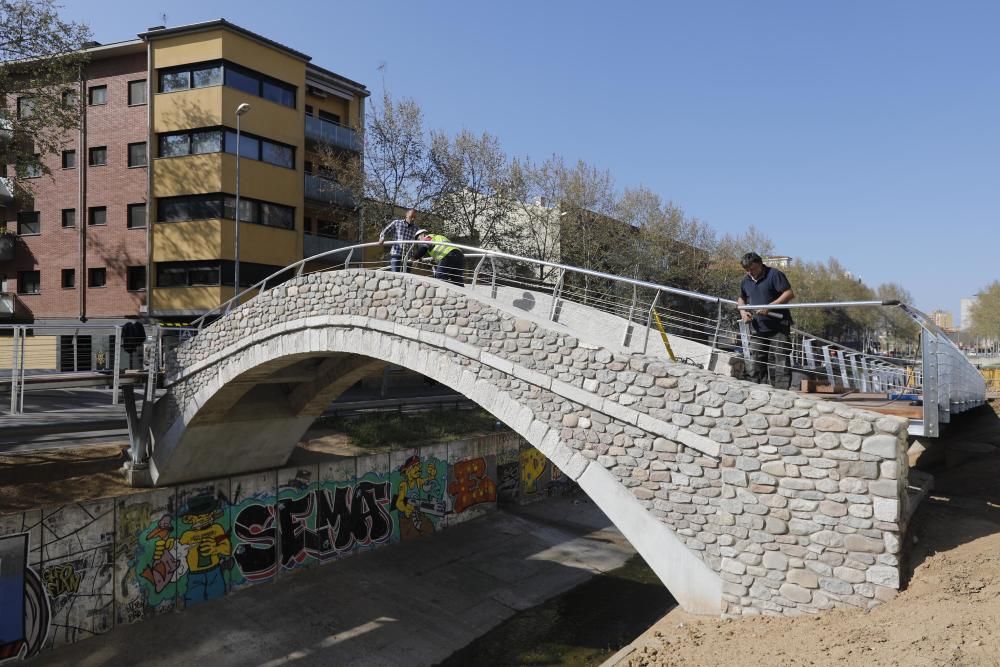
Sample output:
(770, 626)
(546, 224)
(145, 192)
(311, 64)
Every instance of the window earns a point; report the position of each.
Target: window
(136, 278)
(330, 117)
(137, 154)
(193, 207)
(240, 79)
(191, 76)
(222, 73)
(69, 159)
(171, 81)
(309, 110)
(172, 145)
(206, 76)
(212, 273)
(279, 154)
(98, 95)
(207, 207)
(25, 107)
(196, 142)
(278, 92)
(136, 92)
(98, 156)
(97, 215)
(68, 278)
(97, 277)
(206, 141)
(184, 274)
(328, 228)
(29, 223)
(29, 282)
(249, 145)
(32, 169)
(69, 217)
(136, 216)
(70, 98)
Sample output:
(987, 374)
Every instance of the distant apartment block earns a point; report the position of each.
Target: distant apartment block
(965, 313)
(137, 219)
(943, 319)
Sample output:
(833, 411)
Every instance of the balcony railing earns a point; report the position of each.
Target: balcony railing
(328, 132)
(313, 244)
(329, 192)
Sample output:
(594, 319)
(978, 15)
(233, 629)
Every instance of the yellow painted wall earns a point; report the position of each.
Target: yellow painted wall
(39, 352)
(193, 47)
(216, 172)
(189, 299)
(214, 239)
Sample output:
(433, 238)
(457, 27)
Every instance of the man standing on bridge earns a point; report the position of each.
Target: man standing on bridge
(404, 229)
(770, 340)
(449, 262)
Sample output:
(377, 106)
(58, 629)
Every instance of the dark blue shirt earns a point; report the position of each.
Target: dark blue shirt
(761, 292)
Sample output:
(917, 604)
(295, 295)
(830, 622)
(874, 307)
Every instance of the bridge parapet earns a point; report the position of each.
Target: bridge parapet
(742, 498)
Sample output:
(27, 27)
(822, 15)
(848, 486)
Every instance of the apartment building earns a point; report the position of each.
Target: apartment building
(138, 217)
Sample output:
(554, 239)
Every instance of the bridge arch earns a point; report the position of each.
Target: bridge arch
(737, 495)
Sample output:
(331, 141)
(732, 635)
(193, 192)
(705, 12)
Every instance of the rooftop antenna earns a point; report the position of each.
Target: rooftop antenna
(163, 19)
(381, 68)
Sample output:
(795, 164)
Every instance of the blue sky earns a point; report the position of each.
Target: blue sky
(865, 131)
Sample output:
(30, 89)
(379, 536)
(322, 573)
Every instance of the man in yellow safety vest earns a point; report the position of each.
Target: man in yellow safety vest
(449, 262)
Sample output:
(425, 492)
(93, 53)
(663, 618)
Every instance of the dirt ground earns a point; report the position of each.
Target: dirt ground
(949, 613)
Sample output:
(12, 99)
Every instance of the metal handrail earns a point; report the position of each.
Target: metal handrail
(856, 368)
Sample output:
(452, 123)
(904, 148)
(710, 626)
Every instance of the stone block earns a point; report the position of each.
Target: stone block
(803, 578)
(885, 446)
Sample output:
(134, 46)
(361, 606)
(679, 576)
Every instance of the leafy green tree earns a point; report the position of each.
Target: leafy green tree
(41, 61)
(985, 312)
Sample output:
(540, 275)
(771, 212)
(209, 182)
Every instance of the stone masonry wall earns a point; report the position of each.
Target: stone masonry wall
(795, 503)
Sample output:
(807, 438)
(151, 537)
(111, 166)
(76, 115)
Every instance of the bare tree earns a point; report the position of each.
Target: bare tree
(535, 213)
(475, 193)
(397, 169)
(41, 59)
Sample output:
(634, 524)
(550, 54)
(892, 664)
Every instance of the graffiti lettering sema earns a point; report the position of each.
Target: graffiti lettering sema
(320, 524)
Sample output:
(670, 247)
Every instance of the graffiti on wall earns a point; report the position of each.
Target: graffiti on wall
(419, 499)
(122, 560)
(472, 485)
(24, 605)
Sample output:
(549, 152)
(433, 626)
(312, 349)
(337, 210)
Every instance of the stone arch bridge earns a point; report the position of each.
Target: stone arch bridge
(742, 498)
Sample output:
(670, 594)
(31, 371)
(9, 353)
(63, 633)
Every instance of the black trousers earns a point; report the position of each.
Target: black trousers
(451, 268)
(771, 359)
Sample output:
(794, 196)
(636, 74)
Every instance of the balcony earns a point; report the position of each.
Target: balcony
(328, 132)
(6, 191)
(314, 244)
(328, 192)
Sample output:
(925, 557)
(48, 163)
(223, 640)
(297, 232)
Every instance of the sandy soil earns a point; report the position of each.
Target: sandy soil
(949, 614)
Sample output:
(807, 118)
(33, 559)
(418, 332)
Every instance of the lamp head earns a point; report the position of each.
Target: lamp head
(242, 109)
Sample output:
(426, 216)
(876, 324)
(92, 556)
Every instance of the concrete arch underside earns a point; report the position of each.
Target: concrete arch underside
(742, 498)
(249, 418)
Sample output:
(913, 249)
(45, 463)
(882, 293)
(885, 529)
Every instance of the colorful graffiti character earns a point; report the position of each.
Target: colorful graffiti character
(208, 545)
(418, 498)
(161, 570)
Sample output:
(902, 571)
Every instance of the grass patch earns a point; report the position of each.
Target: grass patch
(417, 428)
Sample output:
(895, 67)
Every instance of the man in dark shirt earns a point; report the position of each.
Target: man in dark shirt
(770, 340)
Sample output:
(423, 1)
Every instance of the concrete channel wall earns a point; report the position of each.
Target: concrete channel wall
(71, 572)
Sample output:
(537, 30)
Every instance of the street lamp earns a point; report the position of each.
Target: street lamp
(240, 110)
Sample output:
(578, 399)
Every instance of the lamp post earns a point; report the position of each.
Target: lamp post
(240, 110)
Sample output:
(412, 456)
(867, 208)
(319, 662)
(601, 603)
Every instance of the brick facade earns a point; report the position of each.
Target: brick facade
(112, 246)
